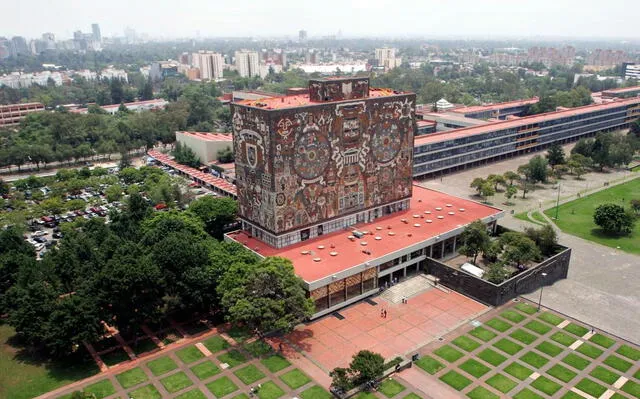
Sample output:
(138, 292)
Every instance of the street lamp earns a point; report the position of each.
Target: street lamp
(541, 288)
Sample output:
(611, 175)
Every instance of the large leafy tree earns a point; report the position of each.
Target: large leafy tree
(265, 297)
(366, 366)
(518, 248)
(215, 213)
(555, 155)
(475, 239)
(614, 219)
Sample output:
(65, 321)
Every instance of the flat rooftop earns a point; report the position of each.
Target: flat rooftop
(301, 100)
(495, 106)
(622, 90)
(208, 136)
(329, 254)
(220, 183)
(515, 123)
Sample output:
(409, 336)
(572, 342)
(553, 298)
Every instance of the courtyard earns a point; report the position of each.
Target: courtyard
(519, 352)
(331, 341)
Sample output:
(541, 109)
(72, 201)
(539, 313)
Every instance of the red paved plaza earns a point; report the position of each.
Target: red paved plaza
(331, 342)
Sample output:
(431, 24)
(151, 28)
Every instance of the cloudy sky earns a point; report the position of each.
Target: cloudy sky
(381, 18)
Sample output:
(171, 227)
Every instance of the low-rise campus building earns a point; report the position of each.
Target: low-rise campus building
(13, 114)
(205, 145)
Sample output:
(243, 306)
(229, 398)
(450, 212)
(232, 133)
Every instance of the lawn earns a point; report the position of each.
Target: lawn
(205, 370)
(591, 387)
(604, 375)
(448, 353)
(526, 308)
(162, 365)
(474, 368)
(189, 354)
(629, 352)
(315, 392)
(482, 333)
(507, 346)
(498, 324)
(232, 358)
(143, 346)
(429, 364)
(391, 387)
(275, 363)
(549, 348)
(481, 393)
(455, 380)
(602, 340)
(176, 382)
(513, 316)
(492, 357)
(550, 318)
(538, 327)
(114, 357)
(563, 339)
(222, 387)
(295, 378)
(562, 373)
(632, 388)
(545, 385)
(192, 394)
(131, 377)
(502, 383)
(576, 217)
(523, 336)
(589, 350)
(527, 394)
(576, 361)
(249, 374)
(270, 390)
(24, 376)
(145, 392)
(576, 329)
(617, 363)
(216, 344)
(519, 371)
(534, 359)
(258, 348)
(101, 389)
(465, 343)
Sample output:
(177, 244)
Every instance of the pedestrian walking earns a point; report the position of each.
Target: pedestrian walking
(385, 313)
(381, 312)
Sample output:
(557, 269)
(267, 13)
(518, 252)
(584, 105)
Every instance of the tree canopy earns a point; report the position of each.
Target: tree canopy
(614, 219)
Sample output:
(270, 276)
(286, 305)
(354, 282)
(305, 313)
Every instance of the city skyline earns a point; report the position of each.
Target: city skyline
(488, 19)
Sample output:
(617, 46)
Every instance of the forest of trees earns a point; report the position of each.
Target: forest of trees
(166, 262)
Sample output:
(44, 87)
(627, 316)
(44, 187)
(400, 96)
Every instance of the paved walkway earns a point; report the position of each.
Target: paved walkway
(331, 341)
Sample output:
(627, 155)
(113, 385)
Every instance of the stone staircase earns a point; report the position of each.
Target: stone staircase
(407, 288)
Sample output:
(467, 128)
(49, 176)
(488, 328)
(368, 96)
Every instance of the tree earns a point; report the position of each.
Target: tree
(496, 180)
(545, 238)
(583, 147)
(496, 273)
(486, 190)
(510, 192)
(117, 91)
(518, 248)
(613, 219)
(555, 155)
(475, 239)
(537, 169)
(215, 213)
(560, 170)
(267, 296)
(185, 156)
(366, 366)
(477, 183)
(225, 155)
(635, 205)
(113, 193)
(511, 176)
(341, 379)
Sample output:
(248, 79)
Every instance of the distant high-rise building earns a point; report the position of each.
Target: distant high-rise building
(130, 35)
(302, 36)
(209, 63)
(248, 63)
(49, 40)
(5, 48)
(95, 29)
(19, 46)
(386, 58)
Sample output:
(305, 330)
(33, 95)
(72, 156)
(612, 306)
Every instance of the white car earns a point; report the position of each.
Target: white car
(39, 233)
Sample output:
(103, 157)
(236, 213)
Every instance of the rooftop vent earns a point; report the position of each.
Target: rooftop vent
(304, 252)
(440, 217)
(333, 253)
(391, 233)
(452, 213)
(427, 212)
(416, 216)
(449, 205)
(461, 209)
(378, 228)
(320, 246)
(416, 225)
(428, 220)
(363, 243)
(317, 259)
(378, 238)
(438, 208)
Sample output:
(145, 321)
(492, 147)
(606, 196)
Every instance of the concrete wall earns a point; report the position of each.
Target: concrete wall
(530, 280)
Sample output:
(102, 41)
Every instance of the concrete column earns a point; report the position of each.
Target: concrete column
(431, 251)
(442, 250)
(455, 243)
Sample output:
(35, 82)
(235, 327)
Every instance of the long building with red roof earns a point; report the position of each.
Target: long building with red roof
(458, 149)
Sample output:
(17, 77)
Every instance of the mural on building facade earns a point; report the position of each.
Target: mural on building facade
(300, 166)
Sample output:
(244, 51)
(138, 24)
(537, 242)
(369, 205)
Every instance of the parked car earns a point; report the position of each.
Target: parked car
(57, 235)
(39, 233)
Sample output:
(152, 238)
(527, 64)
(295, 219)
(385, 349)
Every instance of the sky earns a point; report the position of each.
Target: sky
(484, 19)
